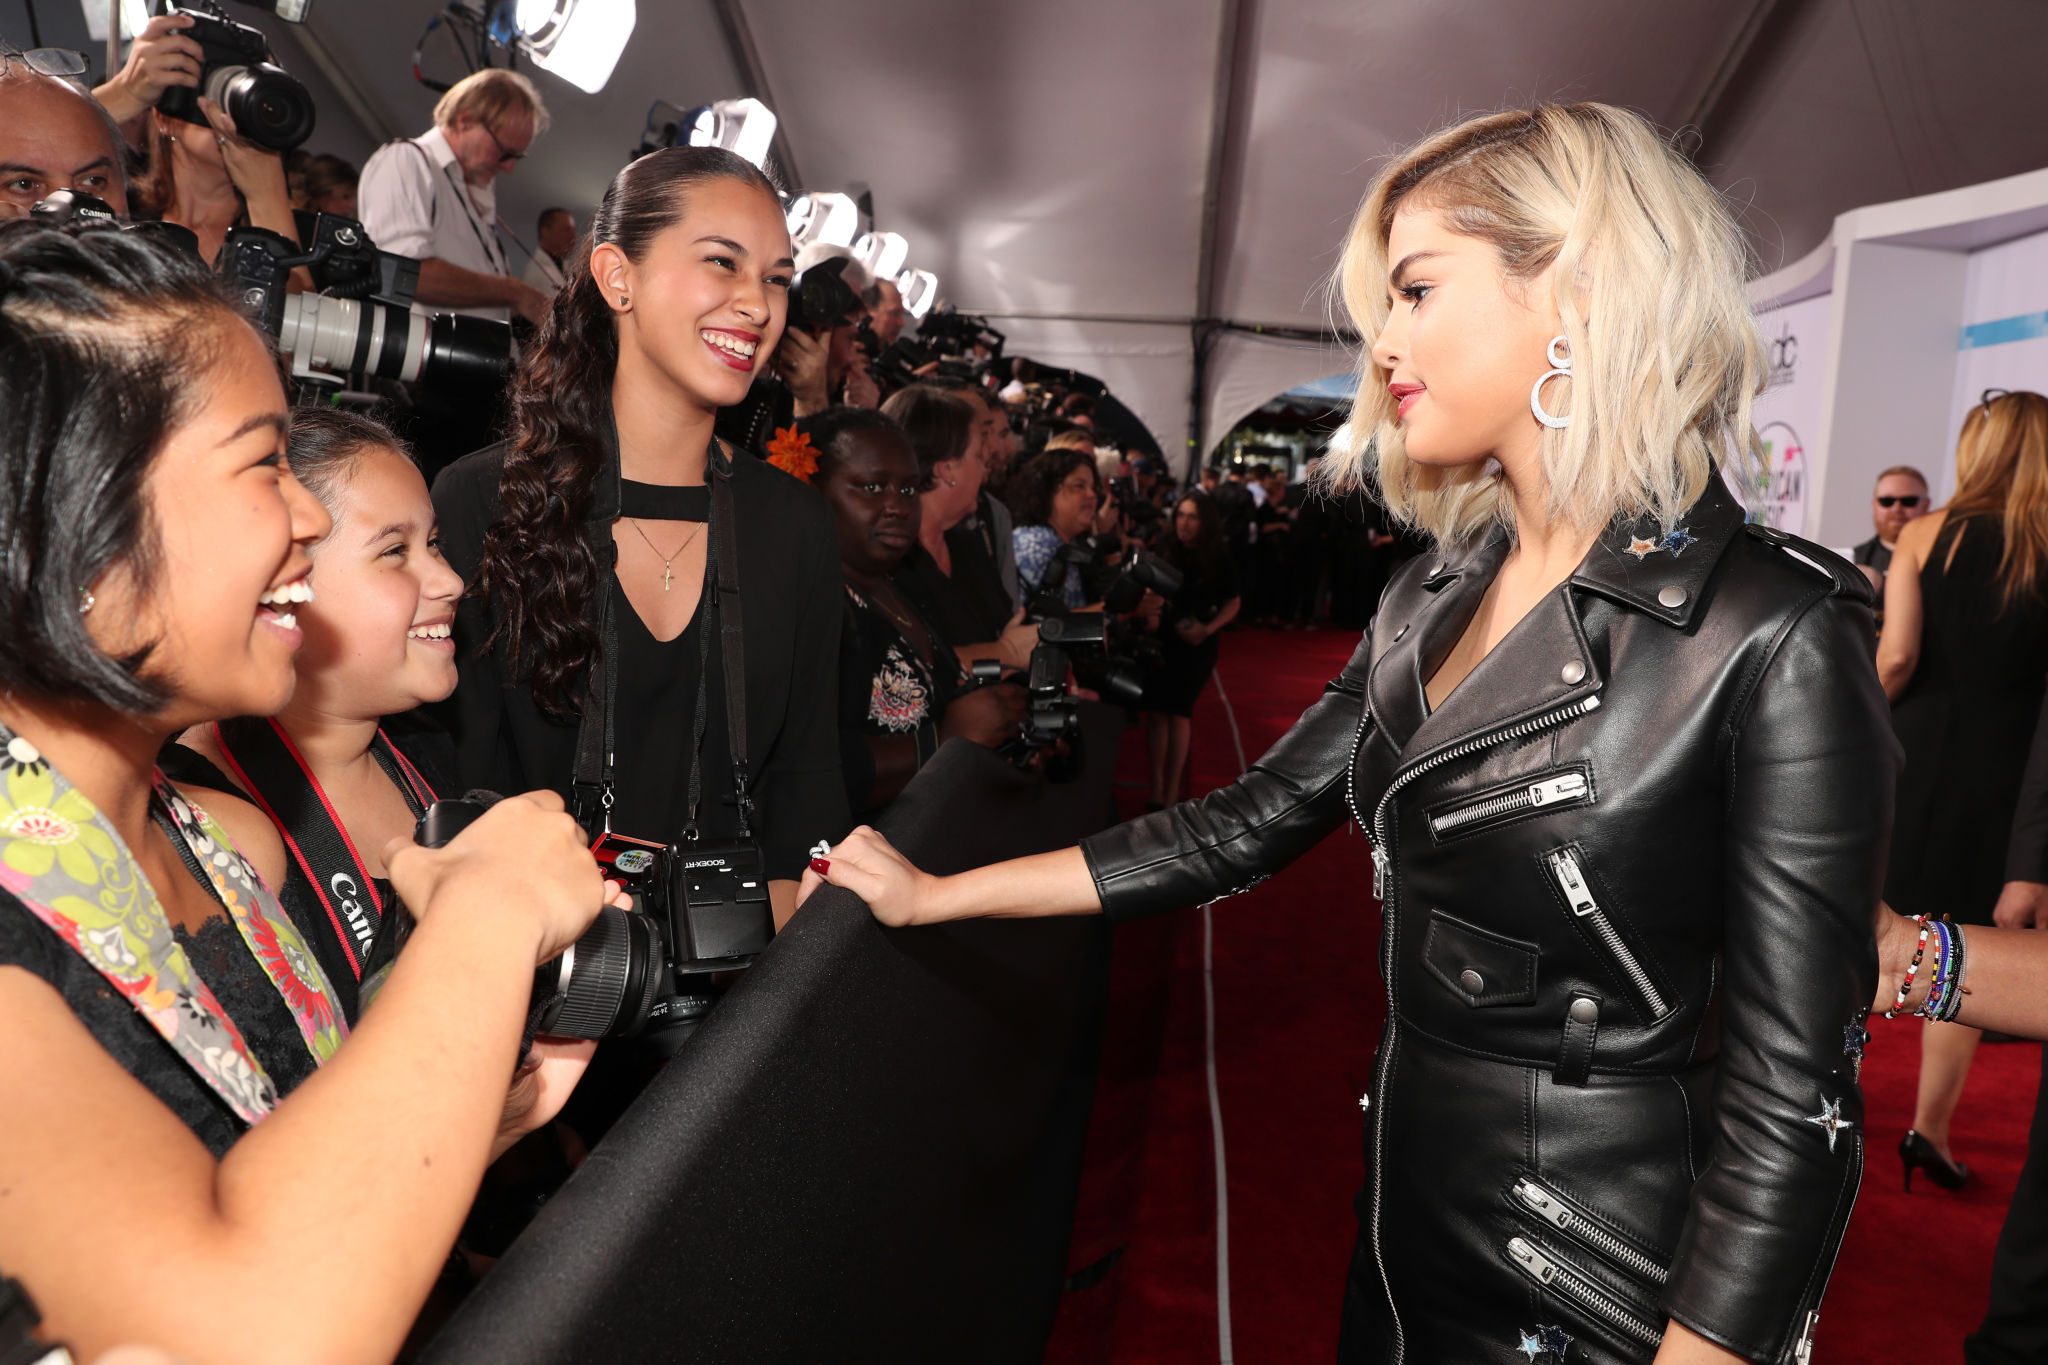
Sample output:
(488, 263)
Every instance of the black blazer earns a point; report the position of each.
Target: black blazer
(1630, 869)
(790, 579)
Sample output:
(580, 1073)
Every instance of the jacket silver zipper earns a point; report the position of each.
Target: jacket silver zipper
(1384, 1061)
(1376, 837)
(1802, 1354)
(1584, 1293)
(1549, 792)
(1571, 879)
(1553, 1210)
(1486, 738)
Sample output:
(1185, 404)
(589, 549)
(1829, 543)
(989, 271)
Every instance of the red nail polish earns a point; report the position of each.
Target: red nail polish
(820, 866)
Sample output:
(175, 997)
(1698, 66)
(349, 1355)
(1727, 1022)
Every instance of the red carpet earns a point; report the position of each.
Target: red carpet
(1298, 1009)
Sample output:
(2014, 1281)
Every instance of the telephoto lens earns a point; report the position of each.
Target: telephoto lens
(601, 986)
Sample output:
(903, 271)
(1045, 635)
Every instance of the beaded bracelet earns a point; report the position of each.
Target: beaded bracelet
(1943, 1005)
(1906, 986)
(1943, 969)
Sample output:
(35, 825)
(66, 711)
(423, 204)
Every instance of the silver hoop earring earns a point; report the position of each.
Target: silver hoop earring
(1560, 367)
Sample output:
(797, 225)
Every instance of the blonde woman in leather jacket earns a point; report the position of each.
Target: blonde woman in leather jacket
(1622, 764)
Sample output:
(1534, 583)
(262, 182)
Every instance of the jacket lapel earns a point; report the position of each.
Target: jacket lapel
(1451, 590)
(1545, 662)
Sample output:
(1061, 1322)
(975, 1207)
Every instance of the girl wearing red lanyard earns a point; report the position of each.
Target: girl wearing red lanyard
(194, 1158)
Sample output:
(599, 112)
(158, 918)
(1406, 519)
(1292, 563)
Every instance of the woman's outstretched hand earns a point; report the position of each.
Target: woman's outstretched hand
(870, 867)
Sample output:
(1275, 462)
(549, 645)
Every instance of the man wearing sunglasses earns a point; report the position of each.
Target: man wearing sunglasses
(1900, 496)
(434, 197)
(52, 135)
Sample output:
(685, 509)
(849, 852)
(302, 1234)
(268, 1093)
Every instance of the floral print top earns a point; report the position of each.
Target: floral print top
(886, 687)
(62, 860)
(903, 690)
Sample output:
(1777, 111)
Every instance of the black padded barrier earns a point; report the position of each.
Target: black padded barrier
(869, 1151)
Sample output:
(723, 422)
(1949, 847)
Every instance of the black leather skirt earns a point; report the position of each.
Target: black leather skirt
(1507, 1218)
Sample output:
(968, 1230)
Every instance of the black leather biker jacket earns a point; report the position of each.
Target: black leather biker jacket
(1629, 869)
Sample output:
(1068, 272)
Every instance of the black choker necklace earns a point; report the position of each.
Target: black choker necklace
(664, 502)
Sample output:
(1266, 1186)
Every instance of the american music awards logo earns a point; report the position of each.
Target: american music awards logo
(1781, 490)
(1784, 356)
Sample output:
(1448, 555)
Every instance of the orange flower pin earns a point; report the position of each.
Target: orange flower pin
(792, 452)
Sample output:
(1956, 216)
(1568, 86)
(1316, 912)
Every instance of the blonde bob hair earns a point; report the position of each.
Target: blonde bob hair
(1665, 357)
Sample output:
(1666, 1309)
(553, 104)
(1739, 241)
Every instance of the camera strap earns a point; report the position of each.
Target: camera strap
(597, 732)
(270, 768)
(485, 233)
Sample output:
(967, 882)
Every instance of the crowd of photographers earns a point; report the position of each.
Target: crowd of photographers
(522, 574)
(495, 524)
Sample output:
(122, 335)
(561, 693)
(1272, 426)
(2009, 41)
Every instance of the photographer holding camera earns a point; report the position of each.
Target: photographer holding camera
(1053, 497)
(612, 543)
(198, 1152)
(951, 573)
(211, 179)
(52, 136)
(434, 197)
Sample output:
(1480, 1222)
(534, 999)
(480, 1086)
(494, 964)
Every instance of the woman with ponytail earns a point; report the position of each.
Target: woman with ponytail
(586, 540)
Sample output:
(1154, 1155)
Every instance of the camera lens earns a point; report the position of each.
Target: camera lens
(605, 984)
(463, 351)
(267, 104)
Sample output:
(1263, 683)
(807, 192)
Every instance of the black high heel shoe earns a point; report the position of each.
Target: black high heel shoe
(1918, 1152)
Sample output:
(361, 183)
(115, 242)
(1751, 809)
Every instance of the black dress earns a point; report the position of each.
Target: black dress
(1965, 721)
(1184, 669)
(790, 583)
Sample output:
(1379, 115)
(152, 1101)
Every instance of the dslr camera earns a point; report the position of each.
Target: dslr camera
(1104, 652)
(699, 909)
(237, 72)
(821, 299)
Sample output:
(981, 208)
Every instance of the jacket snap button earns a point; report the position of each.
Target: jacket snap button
(1673, 596)
(1473, 982)
(1573, 672)
(1584, 1010)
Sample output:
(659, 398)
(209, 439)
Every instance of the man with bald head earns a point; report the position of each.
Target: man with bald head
(54, 137)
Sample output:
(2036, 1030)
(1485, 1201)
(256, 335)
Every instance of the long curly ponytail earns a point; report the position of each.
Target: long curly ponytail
(537, 571)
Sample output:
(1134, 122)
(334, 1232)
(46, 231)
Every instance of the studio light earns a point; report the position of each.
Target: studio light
(829, 218)
(134, 18)
(743, 127)
(578, 40)
(883, 253)
(920, 290)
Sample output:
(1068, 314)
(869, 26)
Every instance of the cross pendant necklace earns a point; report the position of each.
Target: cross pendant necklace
(668, 572)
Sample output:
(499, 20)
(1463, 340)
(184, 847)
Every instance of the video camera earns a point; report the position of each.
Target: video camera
(267, 103)
(699, 909)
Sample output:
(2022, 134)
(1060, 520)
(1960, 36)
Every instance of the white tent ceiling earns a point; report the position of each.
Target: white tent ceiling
(1107, 178)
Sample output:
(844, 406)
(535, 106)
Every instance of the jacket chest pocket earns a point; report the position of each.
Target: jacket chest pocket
(1479, 967)
(1552, 790)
